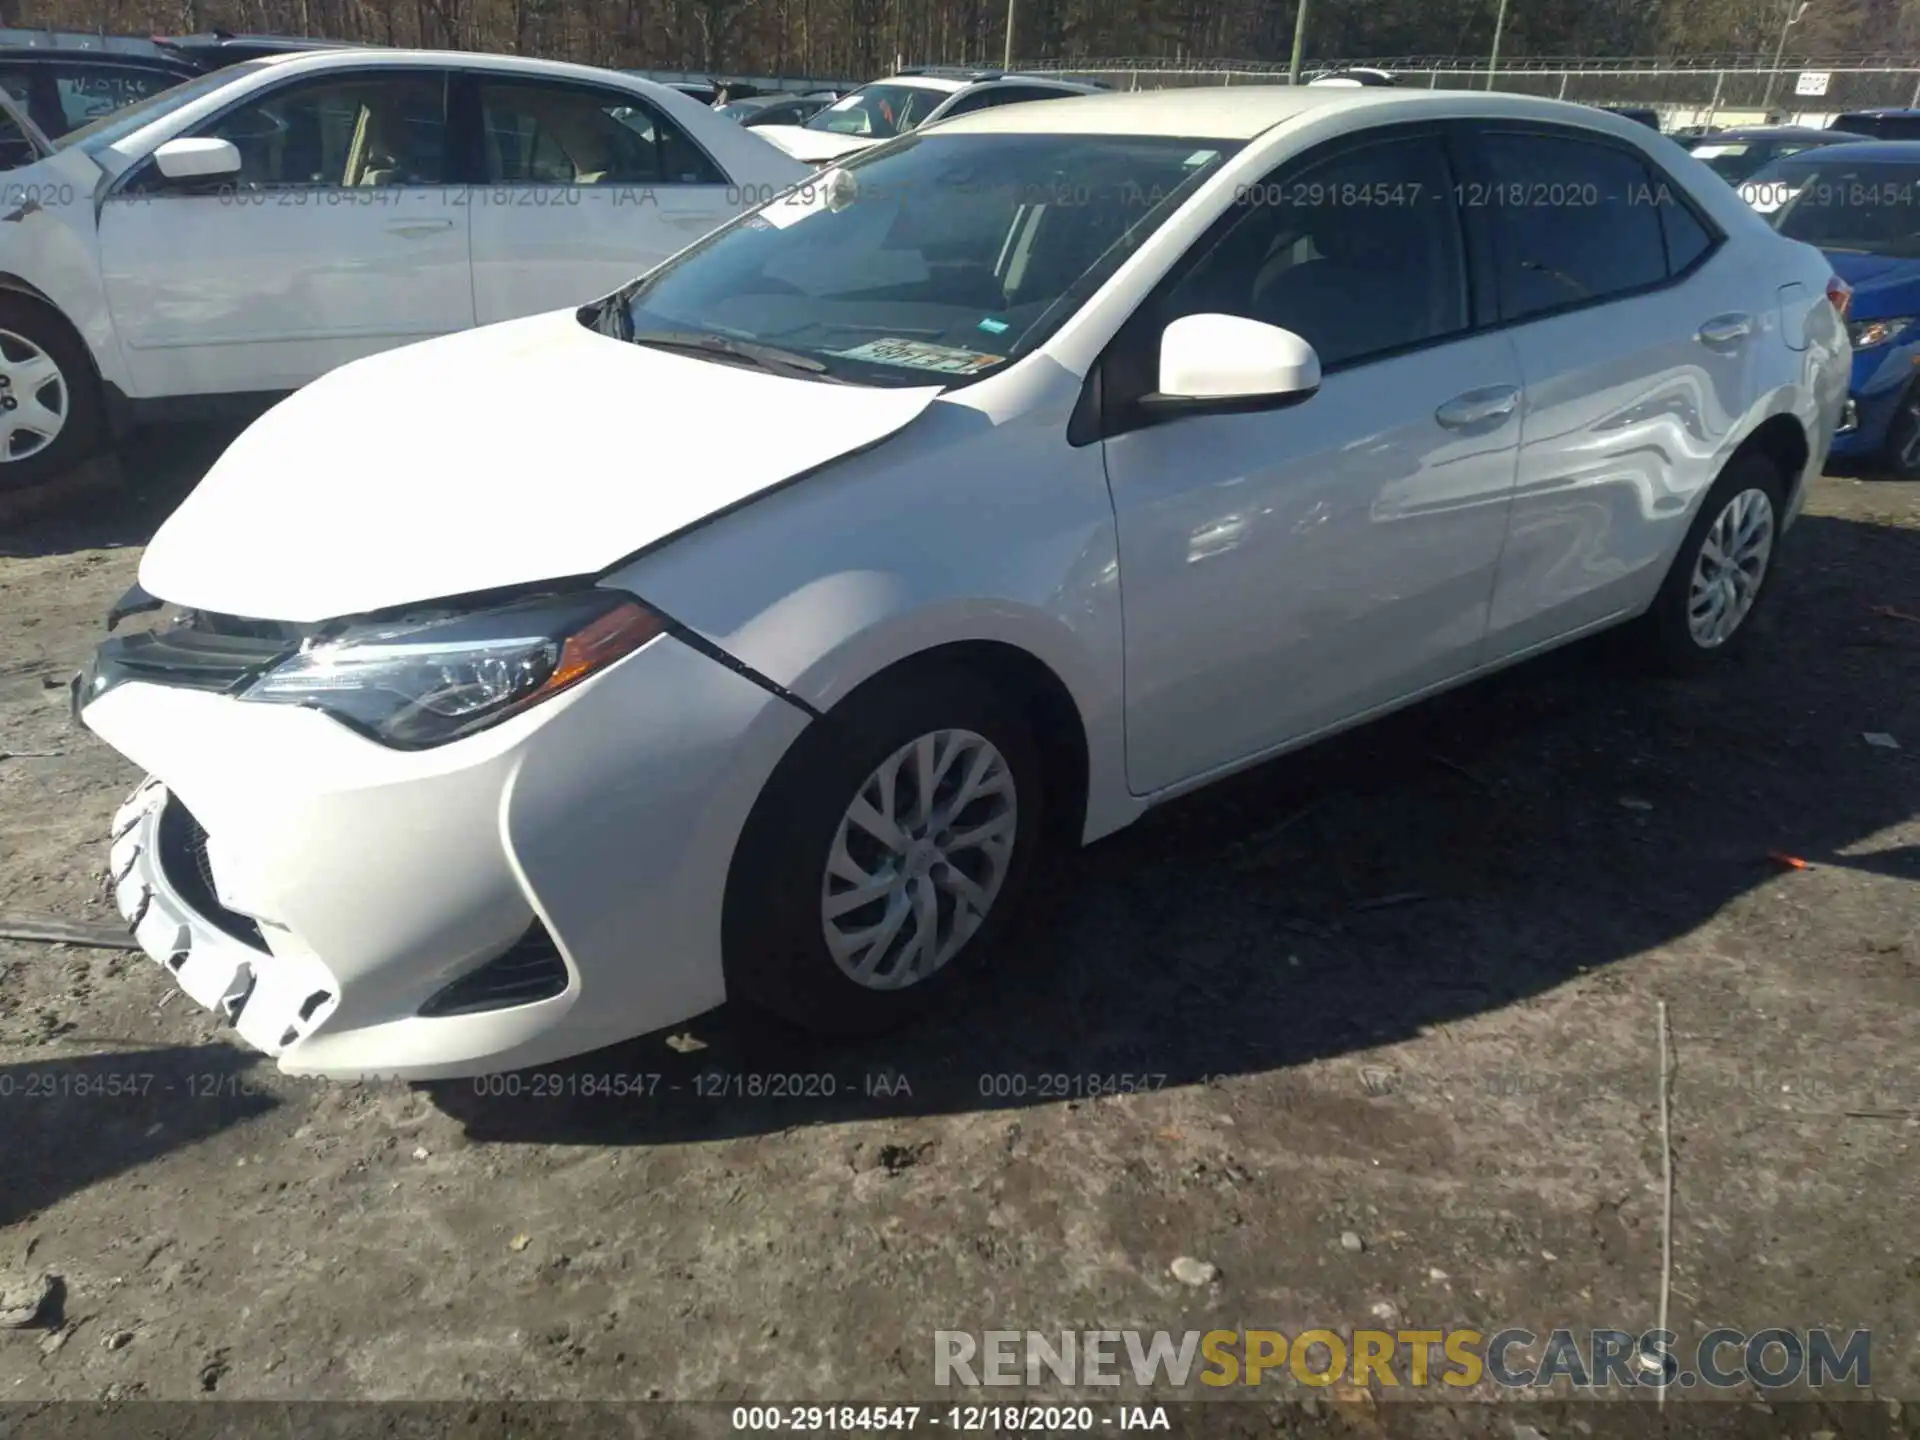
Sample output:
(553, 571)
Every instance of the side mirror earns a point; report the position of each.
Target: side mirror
(1221, 364)
(197, 159)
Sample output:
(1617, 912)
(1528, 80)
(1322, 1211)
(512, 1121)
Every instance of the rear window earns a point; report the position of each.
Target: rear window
(1871, 208)
(115, 126)
(1881, 127)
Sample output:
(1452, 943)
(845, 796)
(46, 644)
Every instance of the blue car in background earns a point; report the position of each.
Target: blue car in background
(1860, 204)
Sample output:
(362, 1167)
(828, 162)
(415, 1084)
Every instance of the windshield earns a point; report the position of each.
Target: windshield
(1731, 160)
(1869, 208)
(879, 112)
(936, 260)
(116, 125)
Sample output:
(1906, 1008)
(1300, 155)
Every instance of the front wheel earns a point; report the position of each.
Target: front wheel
(885, 855)
(1705, 607)
(50, 412)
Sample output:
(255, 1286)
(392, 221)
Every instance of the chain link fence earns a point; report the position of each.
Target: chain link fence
(1681, 94)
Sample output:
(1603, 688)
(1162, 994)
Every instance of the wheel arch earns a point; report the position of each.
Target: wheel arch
(1068, 691)
(12, 284)
(1781, 438)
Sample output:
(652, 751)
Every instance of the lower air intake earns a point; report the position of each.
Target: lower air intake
(532, 970)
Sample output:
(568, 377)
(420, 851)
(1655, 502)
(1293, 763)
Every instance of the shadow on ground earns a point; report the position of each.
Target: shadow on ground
(58, 1137)
(1476, 850)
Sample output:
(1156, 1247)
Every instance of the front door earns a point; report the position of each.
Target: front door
(338, 238)
(1281, 572)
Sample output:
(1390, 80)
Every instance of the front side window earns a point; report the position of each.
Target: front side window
(545, 134)
(1574, 221)
(348, 130)
(879, 112)
(936, 261)
(1869, 208)
(1359, 254)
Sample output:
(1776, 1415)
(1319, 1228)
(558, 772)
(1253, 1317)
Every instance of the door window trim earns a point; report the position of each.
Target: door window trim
(137, 173)
(1102, 415)
(1481, 172)
(473, 147)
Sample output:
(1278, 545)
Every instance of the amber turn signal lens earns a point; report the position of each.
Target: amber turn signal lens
(599, 643)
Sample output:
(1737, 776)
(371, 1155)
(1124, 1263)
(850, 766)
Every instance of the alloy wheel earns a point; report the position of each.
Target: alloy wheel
(918, 859)
(1729, 570)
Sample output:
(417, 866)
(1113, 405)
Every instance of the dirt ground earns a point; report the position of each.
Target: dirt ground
(1464, 1079)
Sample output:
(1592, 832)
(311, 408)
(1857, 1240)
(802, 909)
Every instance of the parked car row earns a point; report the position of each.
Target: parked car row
(1080, 454)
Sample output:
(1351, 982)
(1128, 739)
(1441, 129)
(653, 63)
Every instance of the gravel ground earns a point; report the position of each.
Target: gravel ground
(1394, 1002)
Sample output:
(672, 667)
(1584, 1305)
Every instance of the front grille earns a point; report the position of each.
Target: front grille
(199, 651)
(532, 970)
(182, 844)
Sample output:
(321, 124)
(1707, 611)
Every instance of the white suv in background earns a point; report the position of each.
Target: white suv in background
(907, 101)
(246, 232)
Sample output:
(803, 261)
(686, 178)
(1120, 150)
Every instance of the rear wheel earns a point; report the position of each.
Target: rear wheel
(1706, 604)
(885, 855)
(50, 411)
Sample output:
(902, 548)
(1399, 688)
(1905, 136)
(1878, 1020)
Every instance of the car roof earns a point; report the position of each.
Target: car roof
(178, 65)
(355, 58)
(1897, 151)
(945, 84)
(1780, 132)
(1242, 112)
(1885, 110)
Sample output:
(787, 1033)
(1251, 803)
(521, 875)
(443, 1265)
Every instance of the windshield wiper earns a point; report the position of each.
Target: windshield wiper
(763, 357)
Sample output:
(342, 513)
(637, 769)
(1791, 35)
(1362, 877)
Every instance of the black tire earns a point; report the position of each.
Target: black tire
(773, 941)
(27, 320)
(1664, 637)
(1899, 456)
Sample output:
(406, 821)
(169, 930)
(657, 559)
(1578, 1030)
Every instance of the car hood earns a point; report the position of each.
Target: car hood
(532, 450)
(1858, 269)
(816, 147)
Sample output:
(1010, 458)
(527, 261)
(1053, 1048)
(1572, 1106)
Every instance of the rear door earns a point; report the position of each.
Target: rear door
(1636, 329)
(584, 187)
(338, 238)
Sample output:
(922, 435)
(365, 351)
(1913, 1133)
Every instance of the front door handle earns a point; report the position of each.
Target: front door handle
(1477, 407)
(1726, 330)
(414, 228)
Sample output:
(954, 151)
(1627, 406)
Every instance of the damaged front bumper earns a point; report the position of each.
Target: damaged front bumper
(163, 886)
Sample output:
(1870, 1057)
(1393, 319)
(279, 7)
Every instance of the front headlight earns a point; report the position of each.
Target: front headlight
(1867, 333)
(423, 680)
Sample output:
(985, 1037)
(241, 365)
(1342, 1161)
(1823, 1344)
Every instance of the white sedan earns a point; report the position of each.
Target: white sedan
(746, 635)
(877, 112)
(248, 231)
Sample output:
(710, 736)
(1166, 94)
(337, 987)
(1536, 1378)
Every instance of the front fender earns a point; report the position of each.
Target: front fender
(959, 528)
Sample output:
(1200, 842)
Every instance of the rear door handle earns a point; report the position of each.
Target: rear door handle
(1726, 330)
(414, 228)
(1477, 407)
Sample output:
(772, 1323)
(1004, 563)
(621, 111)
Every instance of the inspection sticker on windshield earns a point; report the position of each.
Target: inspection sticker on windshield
(920, 355)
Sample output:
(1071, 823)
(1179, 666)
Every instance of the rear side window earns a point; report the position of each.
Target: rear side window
(1574, 222)
(1687, 239)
